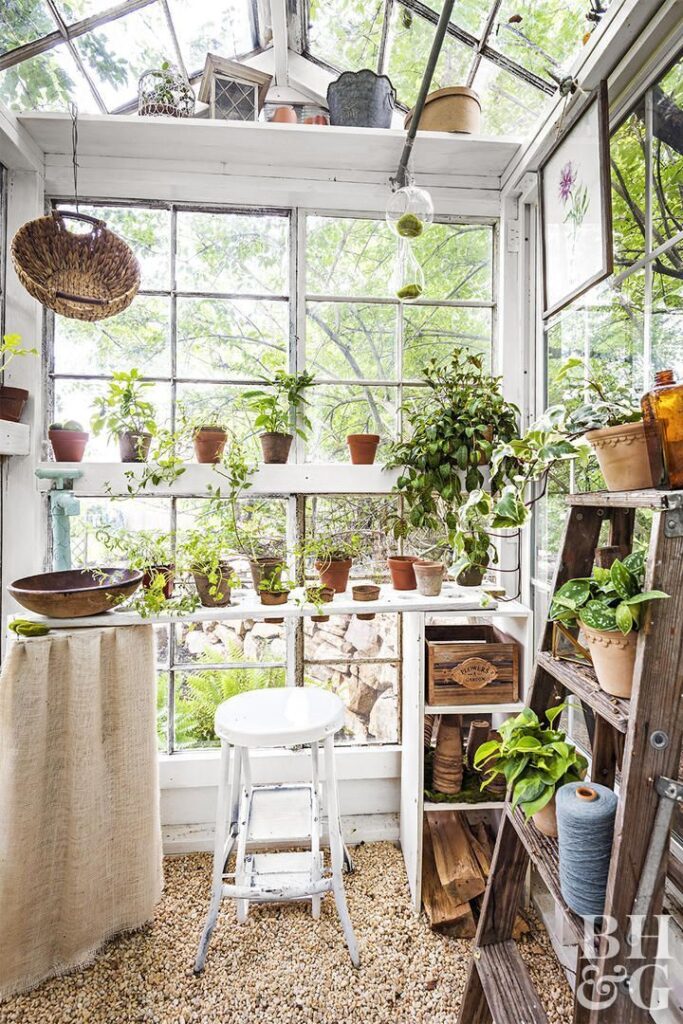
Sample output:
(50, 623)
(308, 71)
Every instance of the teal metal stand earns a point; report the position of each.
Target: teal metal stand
(63, 504)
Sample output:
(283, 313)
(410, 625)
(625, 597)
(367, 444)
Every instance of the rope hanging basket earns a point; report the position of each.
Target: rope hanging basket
(89, 276)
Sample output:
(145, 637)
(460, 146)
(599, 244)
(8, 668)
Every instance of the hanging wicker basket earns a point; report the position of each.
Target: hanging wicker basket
(88, 276)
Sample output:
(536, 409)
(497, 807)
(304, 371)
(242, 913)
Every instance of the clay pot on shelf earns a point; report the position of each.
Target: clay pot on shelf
(275, 447)
(365, 592)
(447, 771)
(209, 443)
(363, 448)
(429, 577)
(204, 587)
(266, 566)
(317, 596)
(622, 455)
(614, 657)
(335, 574)
(168, 573)
(545, 820)
(284, 115)
(471, 577)
(68, 445)
(12, 402)
(402, 571)
(134, 447)
(272, 597)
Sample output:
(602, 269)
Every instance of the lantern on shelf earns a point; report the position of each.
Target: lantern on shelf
(233, 91)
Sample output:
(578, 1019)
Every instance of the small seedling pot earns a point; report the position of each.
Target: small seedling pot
(429, 577)
(68, 445)
(545, 820)
(209, 445)
(271, 597)
(365, 592)
(134, 447)
(614, 658)
(402, 572)
(12, 402)
(335, 574)
(622, 455)
(209, 600)
(363, 448)
(267, 566)
(167, 571)
(320, 595)
(471, 577)
(275, 447)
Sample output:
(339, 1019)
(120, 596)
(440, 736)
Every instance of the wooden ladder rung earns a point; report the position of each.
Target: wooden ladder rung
(580, 680)
(509, 991)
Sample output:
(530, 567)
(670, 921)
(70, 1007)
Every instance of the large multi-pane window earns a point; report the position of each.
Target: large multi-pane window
(229, 296)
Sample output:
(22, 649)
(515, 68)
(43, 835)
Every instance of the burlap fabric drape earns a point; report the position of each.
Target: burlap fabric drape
(80, 840)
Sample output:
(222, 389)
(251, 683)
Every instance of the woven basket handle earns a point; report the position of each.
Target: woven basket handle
(97, 225)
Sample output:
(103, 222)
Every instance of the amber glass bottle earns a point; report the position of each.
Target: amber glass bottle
(663, 419)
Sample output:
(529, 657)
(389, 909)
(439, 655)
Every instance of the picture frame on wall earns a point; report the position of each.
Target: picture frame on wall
(575, 207)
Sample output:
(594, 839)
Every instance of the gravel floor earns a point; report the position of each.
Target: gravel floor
(281, 966)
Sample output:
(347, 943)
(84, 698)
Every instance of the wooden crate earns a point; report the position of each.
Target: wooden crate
(471, 665)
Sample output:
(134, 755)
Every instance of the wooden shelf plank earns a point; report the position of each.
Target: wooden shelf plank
(485, 805)
(15, 438)
(624, 499)
(582, 683)
(510, 993)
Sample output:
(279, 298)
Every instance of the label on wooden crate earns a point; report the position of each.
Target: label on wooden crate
(473, 674)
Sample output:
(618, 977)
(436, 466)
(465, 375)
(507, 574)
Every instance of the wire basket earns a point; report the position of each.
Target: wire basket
(87, 276)
(163, 92)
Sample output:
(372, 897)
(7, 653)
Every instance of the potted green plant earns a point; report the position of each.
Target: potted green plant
(280, 408)
(126, 414)
(203, 554)
(608, 605)
(319, 595)
(473, 549)
(12, 400)
(163, 91)
(274, 590)
(333, 556)
(149, 551)
(68, 441)
(536, 760)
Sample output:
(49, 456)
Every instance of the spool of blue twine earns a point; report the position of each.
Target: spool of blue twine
(585, 828)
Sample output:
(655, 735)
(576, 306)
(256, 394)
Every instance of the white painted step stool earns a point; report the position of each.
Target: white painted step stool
(283, 717)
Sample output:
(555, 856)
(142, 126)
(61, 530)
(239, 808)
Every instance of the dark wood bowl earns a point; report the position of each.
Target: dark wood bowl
(75, 593)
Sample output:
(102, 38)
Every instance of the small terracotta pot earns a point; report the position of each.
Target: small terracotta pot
(203, 586)
(167, 571)
(12, 402)
(546, 820)
(270, 597)
(320, 595)
(265, 566)
(471, 577)
(365, 592)
(402, 571)
(134, 447)
(68, 445)
(622, 455)
(284, 115)
(363, 448)
(614, 657)
(209, 445)
(335, 574)
(429, 577)
(275, 447)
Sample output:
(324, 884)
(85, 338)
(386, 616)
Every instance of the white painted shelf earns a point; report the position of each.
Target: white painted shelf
(474, 709)
(15, 438)
(485, 805)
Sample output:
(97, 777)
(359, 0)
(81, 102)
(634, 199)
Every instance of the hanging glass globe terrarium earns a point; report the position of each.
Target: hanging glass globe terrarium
(407, 281)
(410, 211)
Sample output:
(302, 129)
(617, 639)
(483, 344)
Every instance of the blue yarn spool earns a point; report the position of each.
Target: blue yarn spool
(585, 828)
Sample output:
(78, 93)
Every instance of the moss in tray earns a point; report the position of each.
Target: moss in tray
(409, 291)
(409, 226)
(471, 792)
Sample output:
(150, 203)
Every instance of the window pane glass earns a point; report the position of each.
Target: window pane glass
(433, 331)
(74, 401)
(457, 260)
(23, 22)
(551, 513)
(232, 641)
(667, 320)
(346, 34)
(370, 693)
(345, 340)
(227, 252)
(359, 515)
(223, 27)
(140, 336)
(667, 162)
(509, 105)
(540, 36)
(627, 150)
(340, 409)
(261, 523)
(231, 338)
(49, 81)
(117, 514)
(348, 637)
(76, 10)
(467, 14)
(345, 256)
(408, 46)
(198, 694)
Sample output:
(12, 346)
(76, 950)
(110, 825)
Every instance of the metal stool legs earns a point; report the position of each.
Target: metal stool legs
(337, 850)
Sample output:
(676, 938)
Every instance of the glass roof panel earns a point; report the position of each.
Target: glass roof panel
(76, 10)
(222, 27)
(48, 81)
(540, 35)
(409, 43)
(119, 52)
(346, 34)
(468, 14)
(509, 105)
(23, 21)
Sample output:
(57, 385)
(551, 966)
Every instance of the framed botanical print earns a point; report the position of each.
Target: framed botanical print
(575, 207)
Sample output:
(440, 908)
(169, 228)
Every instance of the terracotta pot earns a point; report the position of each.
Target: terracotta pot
(402, 571)
(284, 115)
(363, 448)
(203, 586)
(134, 447)
(12, 402)
(167, 571)
(335, 574)
(546, 820)
(275, 447)
(454, 109)
(429, 577)
(271, 597)
(365, 592)
(622, 456)
(471, 577)
(264, 567)
(68, 445)
(614, 657)
(209, 445)
(320, 595)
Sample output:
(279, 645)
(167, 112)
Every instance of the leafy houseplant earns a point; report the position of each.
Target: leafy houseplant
(209, 434)
(608, 605)
(150, 551)
(126, 414)
(472, 545)
(274, 590)
(333, 556)
(12, 400)
(280, 408)
(68, 441)
(536, 760)
(202, 553)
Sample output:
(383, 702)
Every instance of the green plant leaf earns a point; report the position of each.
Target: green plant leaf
(598, 615)
(623, 581)
(623, 618)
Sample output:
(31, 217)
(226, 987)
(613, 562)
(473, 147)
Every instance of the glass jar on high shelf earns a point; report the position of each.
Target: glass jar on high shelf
(663, 420)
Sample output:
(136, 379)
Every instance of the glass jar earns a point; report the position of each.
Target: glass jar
(663, 420)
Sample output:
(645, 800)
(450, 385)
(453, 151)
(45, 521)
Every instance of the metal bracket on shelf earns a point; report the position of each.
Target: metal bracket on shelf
(673, 515)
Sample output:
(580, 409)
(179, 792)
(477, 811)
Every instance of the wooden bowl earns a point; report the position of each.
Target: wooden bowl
(75, 593)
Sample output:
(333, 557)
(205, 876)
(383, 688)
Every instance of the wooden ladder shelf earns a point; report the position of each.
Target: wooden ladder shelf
(499, 987)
